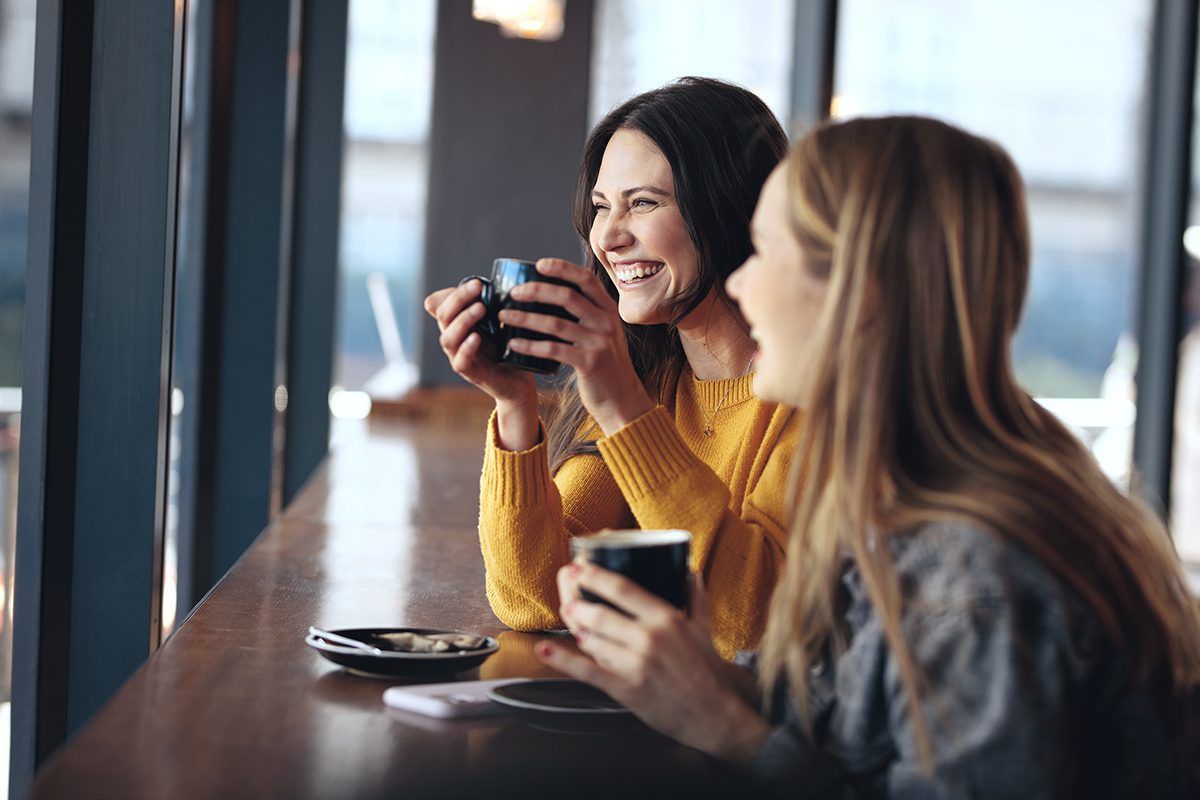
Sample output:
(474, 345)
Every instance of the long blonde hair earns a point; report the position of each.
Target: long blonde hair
(914, 413)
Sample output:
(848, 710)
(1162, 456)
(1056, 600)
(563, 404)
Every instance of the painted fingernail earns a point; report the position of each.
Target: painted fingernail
(544, 650)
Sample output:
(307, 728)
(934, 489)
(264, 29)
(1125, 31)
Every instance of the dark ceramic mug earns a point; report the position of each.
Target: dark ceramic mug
(657, 560)
(506, 274)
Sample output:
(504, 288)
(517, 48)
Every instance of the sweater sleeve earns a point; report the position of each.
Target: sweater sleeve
(739, 552)
(527, 519)
(994, 703)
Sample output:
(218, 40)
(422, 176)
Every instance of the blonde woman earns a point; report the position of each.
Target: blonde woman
(969, 608)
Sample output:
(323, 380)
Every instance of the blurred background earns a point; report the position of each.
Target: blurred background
(1060, 83)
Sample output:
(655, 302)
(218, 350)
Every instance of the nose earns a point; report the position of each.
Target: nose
(734, 281)
(612, 232)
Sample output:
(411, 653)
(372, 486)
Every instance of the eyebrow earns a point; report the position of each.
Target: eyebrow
(635, 190)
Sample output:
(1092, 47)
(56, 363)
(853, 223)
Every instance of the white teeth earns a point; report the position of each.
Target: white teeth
(635, 273)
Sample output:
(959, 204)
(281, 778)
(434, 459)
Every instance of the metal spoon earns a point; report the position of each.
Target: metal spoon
(335, 638)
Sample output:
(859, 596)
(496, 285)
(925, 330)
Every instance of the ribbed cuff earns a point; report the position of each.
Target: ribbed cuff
(646, 453)
(516, 477)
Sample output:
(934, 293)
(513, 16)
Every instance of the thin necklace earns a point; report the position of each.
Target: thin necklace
(710, 419)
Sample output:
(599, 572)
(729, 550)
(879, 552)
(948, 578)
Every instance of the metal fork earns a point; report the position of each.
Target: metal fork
(335, 638)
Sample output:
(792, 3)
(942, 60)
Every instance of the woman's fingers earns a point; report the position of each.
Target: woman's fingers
(564, 297)
(698, 605)
(435, 299)
(630, 666)
(601, 621)
(460, 327)
(450, 306)
(555, 351)
(564, 329)
(578, 666)
(627, 595)
(464, 359)
(582, 277)
(567, 579)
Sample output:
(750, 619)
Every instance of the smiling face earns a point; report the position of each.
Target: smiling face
(780, 298)
(639, 235)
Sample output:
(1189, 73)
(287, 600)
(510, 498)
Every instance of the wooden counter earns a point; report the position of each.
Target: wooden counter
(235, 705)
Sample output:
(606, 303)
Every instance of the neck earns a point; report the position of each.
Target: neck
(715, 341)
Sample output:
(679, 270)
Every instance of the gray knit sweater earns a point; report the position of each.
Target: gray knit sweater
(1024, 694)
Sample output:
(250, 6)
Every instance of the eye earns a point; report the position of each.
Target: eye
(598, 208)
(643, 202)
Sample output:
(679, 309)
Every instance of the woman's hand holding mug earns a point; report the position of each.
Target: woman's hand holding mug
(595, 345)
(458, 310)
(657, 662)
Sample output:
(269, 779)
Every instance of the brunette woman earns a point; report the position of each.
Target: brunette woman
(657, 425)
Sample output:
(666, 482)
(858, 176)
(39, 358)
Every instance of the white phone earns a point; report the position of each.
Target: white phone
(448, 700)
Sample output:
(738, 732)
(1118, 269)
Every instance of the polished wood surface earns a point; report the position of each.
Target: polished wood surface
(235, 705)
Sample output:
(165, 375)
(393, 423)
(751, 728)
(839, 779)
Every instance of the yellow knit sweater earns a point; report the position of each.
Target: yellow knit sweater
(656, 472)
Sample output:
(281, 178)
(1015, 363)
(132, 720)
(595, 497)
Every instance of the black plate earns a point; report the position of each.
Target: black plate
(397, 664)
(563, 705)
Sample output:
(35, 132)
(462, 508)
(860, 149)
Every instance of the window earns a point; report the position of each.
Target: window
(638, 46)
(389, 79)
(185, 394)
(16, 103)
(1185, 470)
(1060, 86)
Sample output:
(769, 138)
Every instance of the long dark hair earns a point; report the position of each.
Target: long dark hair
(721, 142)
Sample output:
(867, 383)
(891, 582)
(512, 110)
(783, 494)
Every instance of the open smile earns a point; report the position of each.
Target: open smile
(633, 275)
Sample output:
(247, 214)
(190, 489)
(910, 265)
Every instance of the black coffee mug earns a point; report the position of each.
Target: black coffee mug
(507, 273)
(657, 560)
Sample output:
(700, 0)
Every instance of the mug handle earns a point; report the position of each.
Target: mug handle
(486, 326)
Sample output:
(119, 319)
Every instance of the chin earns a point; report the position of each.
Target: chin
(787, 387)
(774, 388)
(764, 387)
(639, 315)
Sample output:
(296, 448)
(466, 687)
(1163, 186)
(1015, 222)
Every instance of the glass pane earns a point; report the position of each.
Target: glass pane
(1185, 471)
(16, 104)
(189, 300)
(638, 46)
(389, 80)
(1065, 103)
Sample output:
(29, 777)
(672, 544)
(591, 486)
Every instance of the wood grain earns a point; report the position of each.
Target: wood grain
(235, 705)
